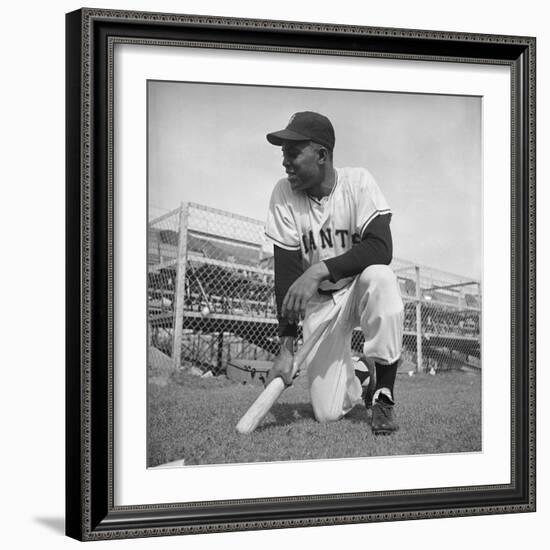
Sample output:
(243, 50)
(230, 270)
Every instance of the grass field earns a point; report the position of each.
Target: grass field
(194, 418)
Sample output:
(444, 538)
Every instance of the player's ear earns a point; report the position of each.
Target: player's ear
(324, 154)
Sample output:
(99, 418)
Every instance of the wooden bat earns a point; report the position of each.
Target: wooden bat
(247, 424)
(255, 414)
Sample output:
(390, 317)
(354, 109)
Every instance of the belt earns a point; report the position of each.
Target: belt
(328, 292)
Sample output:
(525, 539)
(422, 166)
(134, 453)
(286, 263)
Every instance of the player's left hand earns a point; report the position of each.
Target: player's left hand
(301, 292)
(283, 366)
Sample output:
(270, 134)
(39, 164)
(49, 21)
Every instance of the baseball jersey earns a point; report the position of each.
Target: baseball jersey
(328, 227)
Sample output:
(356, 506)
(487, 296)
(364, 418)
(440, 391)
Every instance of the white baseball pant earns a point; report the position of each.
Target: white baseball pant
(373, 302)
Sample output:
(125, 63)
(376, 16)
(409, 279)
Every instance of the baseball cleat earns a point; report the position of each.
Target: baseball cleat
(383, 417)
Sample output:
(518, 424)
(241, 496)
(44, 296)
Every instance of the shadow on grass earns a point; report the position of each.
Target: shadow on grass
(359, 415)
(290, 413)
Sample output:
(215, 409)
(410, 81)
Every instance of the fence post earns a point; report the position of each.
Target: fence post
(219, 357)
(180, 286)
(419, 367)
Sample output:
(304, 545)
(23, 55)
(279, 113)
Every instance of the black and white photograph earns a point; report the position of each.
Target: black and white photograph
(314, 273)
(300, 275)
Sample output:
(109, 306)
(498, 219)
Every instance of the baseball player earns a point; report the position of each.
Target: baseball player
(330, 228)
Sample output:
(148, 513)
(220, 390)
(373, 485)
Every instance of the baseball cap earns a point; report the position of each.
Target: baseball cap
(303, 126)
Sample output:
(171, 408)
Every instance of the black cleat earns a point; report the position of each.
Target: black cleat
(383, 417)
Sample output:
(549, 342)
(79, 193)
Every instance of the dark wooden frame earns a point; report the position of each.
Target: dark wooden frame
(90, 511)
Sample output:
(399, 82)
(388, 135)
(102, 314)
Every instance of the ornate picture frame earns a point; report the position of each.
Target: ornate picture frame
(91, 509)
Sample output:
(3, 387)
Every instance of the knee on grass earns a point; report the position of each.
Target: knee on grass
(324, 416)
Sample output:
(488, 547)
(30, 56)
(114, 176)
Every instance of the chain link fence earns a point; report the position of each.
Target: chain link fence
(211, 304)
(442, 326)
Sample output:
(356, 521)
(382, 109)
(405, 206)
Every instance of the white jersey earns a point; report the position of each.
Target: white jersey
(325, 228)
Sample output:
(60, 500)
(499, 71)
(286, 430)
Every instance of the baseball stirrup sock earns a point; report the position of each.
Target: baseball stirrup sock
(385, 376)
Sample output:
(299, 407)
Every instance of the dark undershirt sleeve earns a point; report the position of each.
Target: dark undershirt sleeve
(288, 267)
(375, 248)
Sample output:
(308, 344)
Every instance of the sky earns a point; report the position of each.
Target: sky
(207, 144)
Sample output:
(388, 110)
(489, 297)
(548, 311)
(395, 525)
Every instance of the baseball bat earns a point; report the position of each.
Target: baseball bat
(255, 414)
(247, 424)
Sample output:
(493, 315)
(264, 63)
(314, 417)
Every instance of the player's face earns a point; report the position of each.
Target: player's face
(302, 164)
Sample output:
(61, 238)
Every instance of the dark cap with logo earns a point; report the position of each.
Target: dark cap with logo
(305, 126)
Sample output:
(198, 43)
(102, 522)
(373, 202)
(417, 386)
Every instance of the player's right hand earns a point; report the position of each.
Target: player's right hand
(283, 367)
(301, 291)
